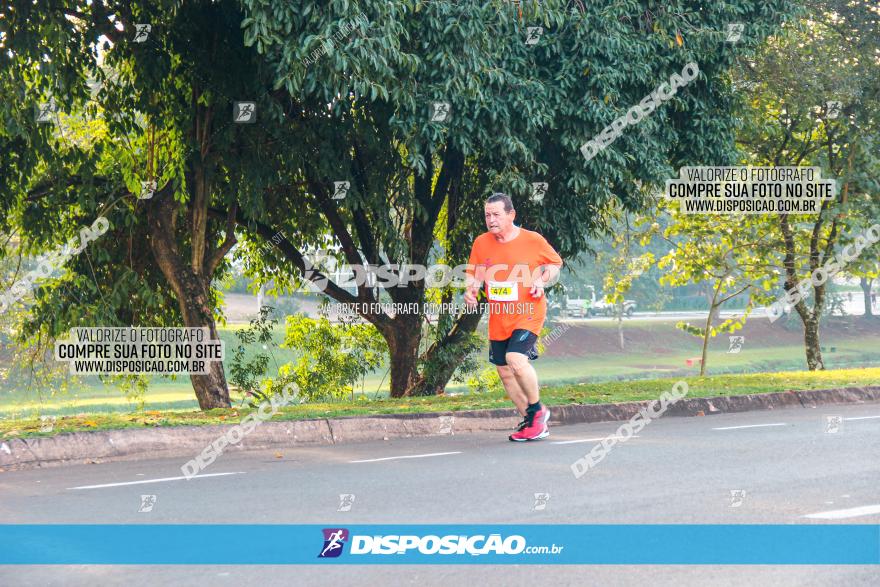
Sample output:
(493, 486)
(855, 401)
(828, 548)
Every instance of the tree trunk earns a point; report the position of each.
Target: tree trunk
(811, 344)
(191, 290)
(865, 284)
(620, 327)
(713, 307)
(433, 381)
(403, 339)
(809, 318)
(705, 354)
(211, 389)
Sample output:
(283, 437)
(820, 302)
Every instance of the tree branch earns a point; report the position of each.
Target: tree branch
(229, 241)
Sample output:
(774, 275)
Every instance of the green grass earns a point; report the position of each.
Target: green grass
(584, 393)
(639, 361)
(661, 352)
(609, 367)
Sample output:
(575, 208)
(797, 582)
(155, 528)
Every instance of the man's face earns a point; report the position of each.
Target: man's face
(497, 220)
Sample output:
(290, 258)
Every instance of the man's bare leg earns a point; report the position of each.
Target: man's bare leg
(511, 386)
(525, 376)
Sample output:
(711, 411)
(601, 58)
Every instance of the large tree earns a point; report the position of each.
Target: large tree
(132, 108)
(361, 104)
(812, 97)
(362, 113)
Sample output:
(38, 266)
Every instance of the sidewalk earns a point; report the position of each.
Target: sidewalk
(187, 441)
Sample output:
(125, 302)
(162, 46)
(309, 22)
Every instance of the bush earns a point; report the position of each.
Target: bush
(487, 381)
(332, 358)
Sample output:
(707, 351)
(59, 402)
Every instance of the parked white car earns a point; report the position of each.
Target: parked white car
(604, 308)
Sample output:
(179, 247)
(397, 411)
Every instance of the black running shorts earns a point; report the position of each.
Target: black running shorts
(520, 341)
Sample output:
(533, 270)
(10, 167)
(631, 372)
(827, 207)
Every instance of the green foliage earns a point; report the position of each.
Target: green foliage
(133, 387)
(519, 112)
(831, 55)
(248, 375)
(332, 358)
(486, 381)
(465, 353)
(608, 257)
(729, 326)
(361, 113)
(624, 264)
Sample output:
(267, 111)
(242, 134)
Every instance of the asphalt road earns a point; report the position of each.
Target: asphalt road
(778, 466)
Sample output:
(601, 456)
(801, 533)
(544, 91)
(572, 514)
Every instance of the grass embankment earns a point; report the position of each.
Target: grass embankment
(586, 352)
(584, 393)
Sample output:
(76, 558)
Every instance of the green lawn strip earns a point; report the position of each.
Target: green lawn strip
(589, 393)
(166, 395)
(640, 361)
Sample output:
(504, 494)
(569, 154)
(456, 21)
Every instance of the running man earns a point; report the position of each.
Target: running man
(515, 264)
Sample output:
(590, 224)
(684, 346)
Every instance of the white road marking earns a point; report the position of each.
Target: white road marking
(594, 439)
(863, 418)
(750, 426)
(865, 510)
(154, 480)
(433, 454)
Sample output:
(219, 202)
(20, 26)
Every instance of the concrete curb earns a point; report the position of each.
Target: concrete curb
(188, 441)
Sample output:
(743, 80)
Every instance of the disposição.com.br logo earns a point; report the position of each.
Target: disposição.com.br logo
(335, 540)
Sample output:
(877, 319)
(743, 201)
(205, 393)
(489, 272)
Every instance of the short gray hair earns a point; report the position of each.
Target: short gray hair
(501, 197)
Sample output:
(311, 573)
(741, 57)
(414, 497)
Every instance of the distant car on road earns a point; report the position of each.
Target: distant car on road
(606, 309)
(573, 302)
(581, 302)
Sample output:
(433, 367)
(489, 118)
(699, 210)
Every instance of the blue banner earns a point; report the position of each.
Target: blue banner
(245, 544)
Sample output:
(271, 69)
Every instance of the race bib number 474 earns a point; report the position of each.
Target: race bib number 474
(503, 291)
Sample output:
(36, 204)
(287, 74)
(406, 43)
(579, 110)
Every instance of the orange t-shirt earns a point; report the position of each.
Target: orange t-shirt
(507, 270)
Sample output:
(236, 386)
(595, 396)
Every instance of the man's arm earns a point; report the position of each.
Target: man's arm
(474, 277)
(551, 264)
